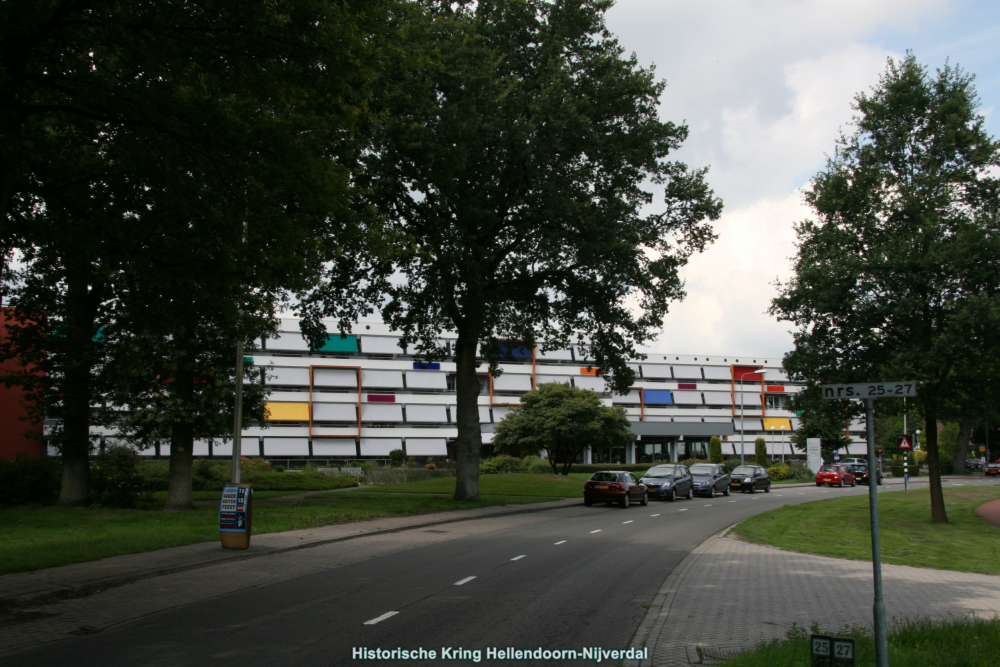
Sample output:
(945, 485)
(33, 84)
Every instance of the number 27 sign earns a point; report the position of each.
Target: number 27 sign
(871, 390)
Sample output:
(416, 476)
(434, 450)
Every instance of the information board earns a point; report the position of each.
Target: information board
(233, 509)
(814, 454)
(870, 390)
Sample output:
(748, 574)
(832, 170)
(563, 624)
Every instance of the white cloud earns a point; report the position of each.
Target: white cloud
(764, 86)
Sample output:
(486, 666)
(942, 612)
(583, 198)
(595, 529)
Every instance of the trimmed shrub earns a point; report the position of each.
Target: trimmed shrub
(800, 472)
(30, 479)
(760, 450)
(499, 464)
(731, 464)
(691, 462)
(115, 480)
(778, 472)
(255, 463)
(597, 467)
(397, 458)
(715, 449)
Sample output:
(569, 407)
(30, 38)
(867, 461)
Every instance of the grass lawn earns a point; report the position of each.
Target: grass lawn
(840, 528)
(551, 486)
(954, 643)
(47, 536)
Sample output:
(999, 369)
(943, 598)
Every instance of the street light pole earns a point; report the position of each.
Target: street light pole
(881, 632)
(782, 442)
(743, 446)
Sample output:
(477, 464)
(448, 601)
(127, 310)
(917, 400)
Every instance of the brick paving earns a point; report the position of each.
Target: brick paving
(727, 595)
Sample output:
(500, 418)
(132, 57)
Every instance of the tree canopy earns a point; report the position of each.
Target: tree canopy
(896, 278)
(562, 421)
(517, 160)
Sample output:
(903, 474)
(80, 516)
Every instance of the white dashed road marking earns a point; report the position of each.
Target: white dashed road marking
(654, 515)
(595, 531)
(732, 501)
(708, 505)
(629, 521)
(561, 542)
(464, 581)
(379, 619)
(518, 557)
(682, 510)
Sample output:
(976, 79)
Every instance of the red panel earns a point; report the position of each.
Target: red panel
(381, 398)
(687, 385)
(738, 372)
(777, 389)
(14, 431)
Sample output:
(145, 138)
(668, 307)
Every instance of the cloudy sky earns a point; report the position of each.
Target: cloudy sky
(764, 86)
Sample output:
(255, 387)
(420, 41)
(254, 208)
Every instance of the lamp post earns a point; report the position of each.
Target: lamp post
(756, 371)
(782, 442)
(772, 438)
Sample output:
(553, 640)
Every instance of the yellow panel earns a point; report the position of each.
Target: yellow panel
(287, 412)
(777, 423)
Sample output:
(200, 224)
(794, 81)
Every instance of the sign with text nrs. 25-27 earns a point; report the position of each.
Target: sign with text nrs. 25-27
(233, 509)
(871, 390)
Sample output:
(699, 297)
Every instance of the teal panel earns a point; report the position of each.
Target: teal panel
(335, 343)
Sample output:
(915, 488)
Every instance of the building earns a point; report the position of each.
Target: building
(20, 433)
(362, 396)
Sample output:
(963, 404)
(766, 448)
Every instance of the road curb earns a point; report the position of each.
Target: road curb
(95, 586)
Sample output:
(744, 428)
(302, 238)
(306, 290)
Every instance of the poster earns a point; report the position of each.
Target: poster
(233, 509)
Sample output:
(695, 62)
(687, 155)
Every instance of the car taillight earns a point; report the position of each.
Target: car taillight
(616, 486)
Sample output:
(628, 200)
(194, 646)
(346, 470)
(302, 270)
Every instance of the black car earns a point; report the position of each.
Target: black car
(750, 478)
(861, 474)
(669, 482)
(710, 479)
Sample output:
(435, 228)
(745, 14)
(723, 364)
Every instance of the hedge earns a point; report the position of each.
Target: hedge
(597, 467)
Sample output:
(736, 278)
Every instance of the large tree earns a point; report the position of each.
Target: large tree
(896, 278)
(562, 421)
(518, 159)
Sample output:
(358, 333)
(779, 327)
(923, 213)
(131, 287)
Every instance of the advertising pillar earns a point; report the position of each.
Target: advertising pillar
(235, 516)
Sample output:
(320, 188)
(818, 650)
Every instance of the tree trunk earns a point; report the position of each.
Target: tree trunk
(938, 513)
(179, 489)
(78, 359)
(469, 443)
(962, 444)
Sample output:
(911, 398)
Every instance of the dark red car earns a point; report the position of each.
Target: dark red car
(992, 468)
(614, 486)
(835, 475)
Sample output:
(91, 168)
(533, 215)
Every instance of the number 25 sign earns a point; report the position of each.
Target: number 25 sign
(870, 390)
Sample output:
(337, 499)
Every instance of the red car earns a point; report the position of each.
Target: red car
(993, 468)
(835, 475)
(614, 486)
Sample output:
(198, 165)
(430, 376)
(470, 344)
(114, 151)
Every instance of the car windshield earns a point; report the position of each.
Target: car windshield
(743, 470)
(660, 471)
(604, 477)
(703, 471)
(829, 469)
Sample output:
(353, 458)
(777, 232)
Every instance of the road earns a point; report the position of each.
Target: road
(564, 579)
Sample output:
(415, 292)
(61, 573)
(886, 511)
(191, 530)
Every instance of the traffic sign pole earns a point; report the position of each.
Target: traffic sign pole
(881, 632)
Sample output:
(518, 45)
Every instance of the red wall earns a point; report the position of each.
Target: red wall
(13, 428)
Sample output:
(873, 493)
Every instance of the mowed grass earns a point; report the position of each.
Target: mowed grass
(34, 538)
(550, 486)
(841, 528)
(915, 643)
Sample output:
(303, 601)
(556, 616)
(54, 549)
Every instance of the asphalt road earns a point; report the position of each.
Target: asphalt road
(577, 579)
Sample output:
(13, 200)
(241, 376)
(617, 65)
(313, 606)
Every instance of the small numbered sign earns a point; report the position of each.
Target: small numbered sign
(831, 651)
(870, 390)
(843, 651)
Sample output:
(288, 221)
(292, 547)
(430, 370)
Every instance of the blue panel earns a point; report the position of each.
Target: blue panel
(514, 350)
(657, 397)
(426, 366)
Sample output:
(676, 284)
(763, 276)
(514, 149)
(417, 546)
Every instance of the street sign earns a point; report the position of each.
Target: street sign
(828, 651)
(870, 390)
(904, 441)
(981, 448)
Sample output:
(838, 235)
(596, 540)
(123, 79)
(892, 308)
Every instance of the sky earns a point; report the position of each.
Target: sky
(765, 87)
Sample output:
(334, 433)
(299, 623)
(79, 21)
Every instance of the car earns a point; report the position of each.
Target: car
(835, 475)
(852, 461)
(710, 479)
(750, 479)
(992, 468)
(614, 486)
(974, 464)
(861, 474)
(669, 482)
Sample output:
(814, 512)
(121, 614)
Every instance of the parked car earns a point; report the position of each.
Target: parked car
(835, 475)
(669, 482)
(614, 486)
(861, 474)
(710, 479)
(750, 479)
(852, 461)
(992, 468)
(974, 464)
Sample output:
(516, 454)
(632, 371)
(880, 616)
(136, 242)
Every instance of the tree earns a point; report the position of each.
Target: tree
(896, 279)
(715, 449)
(562, 421)
(514, 161)
(820, 418)
(760, 452)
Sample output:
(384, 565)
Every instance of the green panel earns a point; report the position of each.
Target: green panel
(334, 343)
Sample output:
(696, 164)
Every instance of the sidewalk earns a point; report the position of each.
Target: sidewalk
(91, 576)
(727, 595)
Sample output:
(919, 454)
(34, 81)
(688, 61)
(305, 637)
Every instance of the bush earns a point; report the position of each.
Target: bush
(431, 466)
(800, 472)
(499, 464)
(596, 467)
(306, 481)
(760, 453)
(256, 464)
(536, 465)
(731, 464)
(715, 449)
(397, 458)
(209, 475)
(778, 472)
(29, 479)
(947, 467)
(279, 468)
(115, 480)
